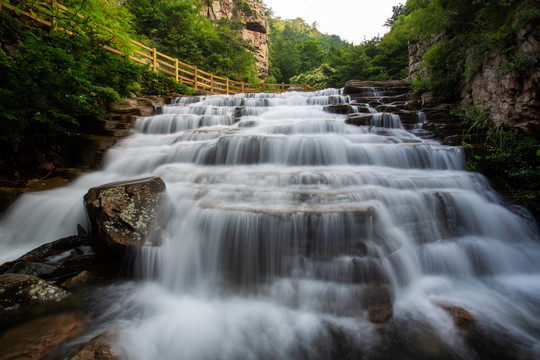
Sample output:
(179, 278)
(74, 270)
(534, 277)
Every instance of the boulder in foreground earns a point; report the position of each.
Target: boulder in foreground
(19, 291)
(125, 214)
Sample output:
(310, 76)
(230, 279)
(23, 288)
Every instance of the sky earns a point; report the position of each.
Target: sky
(353, 20)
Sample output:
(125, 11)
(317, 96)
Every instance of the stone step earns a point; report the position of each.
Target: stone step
(126, 119)
(113, 124)
(116, 132)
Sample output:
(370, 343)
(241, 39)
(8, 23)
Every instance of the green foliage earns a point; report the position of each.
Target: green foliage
(270, 80)
(444, 62)
(397, 11)
(461, 33)
(52, 79)
(318, 78)
(509, 156)
(518, 61)
(241, 7)
(311, 54)
(299, 53)
(178, 29)
(104, 19)
(156, 83)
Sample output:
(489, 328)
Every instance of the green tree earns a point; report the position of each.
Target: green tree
(178, 29)
(300, 53)
(311, 55)
(397, 11)
(54, 78)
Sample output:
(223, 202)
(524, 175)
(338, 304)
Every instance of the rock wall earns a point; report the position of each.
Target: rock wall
(257, 28)
(416, 51)
(510, 97)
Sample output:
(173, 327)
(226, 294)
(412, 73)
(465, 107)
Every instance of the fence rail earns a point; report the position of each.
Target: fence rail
(48, 12)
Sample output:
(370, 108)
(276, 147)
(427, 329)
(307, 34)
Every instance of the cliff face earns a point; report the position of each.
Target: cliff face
(511, 96)
(256, 31)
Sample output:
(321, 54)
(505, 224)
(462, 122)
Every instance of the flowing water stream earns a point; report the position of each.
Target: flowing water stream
(297, 236)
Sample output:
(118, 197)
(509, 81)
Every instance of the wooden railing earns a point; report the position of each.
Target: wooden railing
(47, 12)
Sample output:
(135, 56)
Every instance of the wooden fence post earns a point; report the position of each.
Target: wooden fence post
(211, 83)
(176, 68)
(282, 87)
(227, 86)
(262, 87)
(154, 59)
(305, 87)
(243, 87)
(53, 22)
(195, 80)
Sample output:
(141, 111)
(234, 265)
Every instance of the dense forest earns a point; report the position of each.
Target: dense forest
(299, 53)
(52, 79)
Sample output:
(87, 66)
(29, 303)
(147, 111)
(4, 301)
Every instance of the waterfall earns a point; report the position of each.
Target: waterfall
(290, 229)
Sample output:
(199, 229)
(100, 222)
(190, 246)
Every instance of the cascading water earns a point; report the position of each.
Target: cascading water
(292, 231)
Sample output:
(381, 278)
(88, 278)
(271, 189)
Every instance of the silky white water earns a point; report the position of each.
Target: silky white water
(285, 221)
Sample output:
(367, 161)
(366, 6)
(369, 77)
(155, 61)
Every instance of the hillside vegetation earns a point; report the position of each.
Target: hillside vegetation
(457, 36)
(300, 53)
(51, 80)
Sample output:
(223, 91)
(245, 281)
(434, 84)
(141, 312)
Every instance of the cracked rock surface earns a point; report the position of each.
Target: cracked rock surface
(126, 214)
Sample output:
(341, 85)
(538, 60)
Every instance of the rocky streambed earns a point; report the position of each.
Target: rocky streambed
(42, 293)
(315, 225)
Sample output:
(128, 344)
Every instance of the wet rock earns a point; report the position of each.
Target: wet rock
(35, 269)
(82, 233)
(19, 291)
(38, 338)
(463, 319)
(238, 111)
(366, 270)
(82, 278)
(97, 349)
(387, 108)
(139, 106)
(125, 215)
(78, 263)
(69, 262)
(429, 100)
(359, 119)
(339, 109)
(41, 255)
(486, 343)
(380, 313)
(363, 109)
(359, 86)
(56, 247)
(377, 299)
(8, 197)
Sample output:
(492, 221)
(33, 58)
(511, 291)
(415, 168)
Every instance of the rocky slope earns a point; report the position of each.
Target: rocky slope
(508, 91)
(255, 33)
(422, 115)
(511, 97)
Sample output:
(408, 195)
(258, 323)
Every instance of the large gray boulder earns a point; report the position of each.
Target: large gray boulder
(125, 215)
